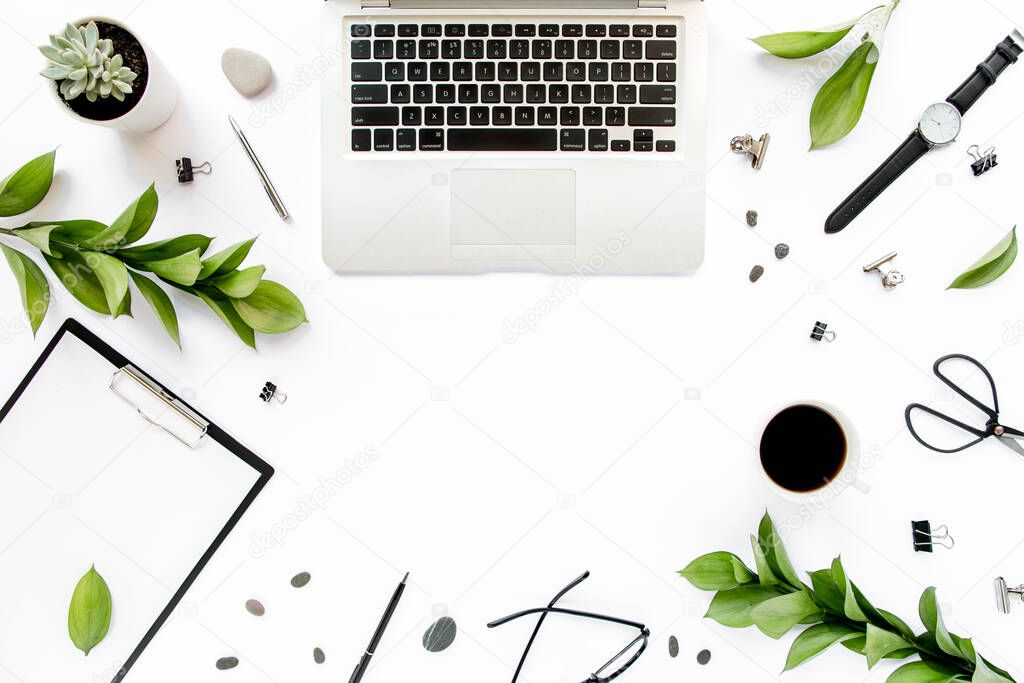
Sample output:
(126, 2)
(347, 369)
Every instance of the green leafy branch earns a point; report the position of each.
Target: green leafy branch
(775, 600)
(96, 262)
(839, 104)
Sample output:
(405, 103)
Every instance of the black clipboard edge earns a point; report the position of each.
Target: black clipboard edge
(214, 432)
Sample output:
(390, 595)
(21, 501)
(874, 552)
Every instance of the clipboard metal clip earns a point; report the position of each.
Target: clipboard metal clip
(192, 421)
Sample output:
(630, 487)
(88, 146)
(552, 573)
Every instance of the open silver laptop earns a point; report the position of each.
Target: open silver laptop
(556, 136)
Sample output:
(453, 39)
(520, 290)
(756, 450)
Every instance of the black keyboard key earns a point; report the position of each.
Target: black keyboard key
(666, 31)
(530, 72)
(490, 93)
(526, 30)
(501, 116)
(558, 94)
(597, 30)
(565, 49)
(361, 49)
(625, 94)
(405, 140)
(451, 49)
(383, 49)
(536, 94)
(632, 49)
(383, 140)
(394, 71)
(519, 49)
(666, 146)
(593, 116)
(582, 94)
(374, 116)
(604, 94)
(433, 116)
(502, 140)
(456, 116)
(542, 49)
(361, 30)
(474, 49)
(408, 30)
(455, 30)
(423, 94)
(661, 49)
(384, 30)
(573, 140)
(621, 145)
(644, 146)
(598, 72)
(431, 140)
(572, 30)
(553, 71)
(479, 30)
(547, 116)
(405, 49)
(643, 135)
(479, 116)
(513, 94)
(657, 94)
(610, 49)
(412, 116)
(597, 140)
(362, 139)
(621, 72)
(586, 49)
(486, 71)
(445, 93)
(367, 71)
(615, 116)
(525, 116)
(575, 71)
(666, 73)
(417, 71)
(652, 116)
(401, 93)
(497, 49)
(369, 94)
(508, 71)
(643, 31)
(432, 30)
(469, 94)
(569, 116)
(618, 31)
(462, 71)
(429, 49)
(643, 72)
(549, 30)
(440, 71)
(502, 30)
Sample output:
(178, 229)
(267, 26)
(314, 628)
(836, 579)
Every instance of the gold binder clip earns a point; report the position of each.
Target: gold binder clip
(756, 149)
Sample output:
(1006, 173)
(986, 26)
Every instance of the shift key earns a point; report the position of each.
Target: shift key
(652, 117)
(374, 116)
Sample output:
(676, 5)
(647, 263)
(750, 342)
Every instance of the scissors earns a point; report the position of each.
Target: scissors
(1008, 436)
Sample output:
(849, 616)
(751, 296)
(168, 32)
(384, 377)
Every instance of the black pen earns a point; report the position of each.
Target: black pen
(364, 662)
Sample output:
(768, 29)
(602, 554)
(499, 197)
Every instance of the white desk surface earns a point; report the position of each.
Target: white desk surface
(617, 435)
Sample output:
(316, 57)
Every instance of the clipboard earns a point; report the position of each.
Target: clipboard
(117, 463)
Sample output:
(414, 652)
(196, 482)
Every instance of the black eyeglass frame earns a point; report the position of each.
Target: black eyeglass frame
(595, 677)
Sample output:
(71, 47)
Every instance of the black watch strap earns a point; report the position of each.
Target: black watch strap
(1005, 54)
(903, 158)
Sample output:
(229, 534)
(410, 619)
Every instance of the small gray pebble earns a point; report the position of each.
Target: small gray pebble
(781, 251)
(318, 655)
(756, 272)
(247, 71)
(255, 608)
(440, 635)
(673, 646)
(752, 218)
(225, 663)
(300, 579)
(703, 657)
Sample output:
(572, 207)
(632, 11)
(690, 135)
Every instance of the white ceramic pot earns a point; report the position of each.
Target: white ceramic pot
(157, 102)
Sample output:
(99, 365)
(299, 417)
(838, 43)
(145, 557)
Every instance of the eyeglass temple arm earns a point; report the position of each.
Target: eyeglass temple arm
(981, 434)
(569, 612)
(644, 635)
(540, 622)
(991, 411)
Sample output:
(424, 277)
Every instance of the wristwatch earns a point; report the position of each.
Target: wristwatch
(940, 125)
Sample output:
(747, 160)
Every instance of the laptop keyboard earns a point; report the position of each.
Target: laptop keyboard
(467, 87)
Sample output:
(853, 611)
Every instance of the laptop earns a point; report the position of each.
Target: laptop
(557, 136)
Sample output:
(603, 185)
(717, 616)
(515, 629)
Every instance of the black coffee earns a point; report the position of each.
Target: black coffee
(803, 448)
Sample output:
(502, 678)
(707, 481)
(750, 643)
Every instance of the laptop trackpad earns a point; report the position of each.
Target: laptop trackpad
(513, 207)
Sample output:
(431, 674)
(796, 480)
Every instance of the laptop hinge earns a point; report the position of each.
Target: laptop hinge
(515, 4)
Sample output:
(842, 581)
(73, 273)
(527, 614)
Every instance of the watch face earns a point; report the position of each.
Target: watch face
(940, 123)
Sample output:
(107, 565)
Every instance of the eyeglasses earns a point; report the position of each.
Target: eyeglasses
(946, 434)
(616, 666)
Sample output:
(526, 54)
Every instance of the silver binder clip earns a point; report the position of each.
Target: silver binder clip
(926, 538)
(890, 277)
(756, 149)
(1003, 593)
(147, 398)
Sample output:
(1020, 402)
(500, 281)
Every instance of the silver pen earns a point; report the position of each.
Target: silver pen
(264, 178)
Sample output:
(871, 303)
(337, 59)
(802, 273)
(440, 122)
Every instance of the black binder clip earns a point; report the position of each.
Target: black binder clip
(822, 333)
(925, 538)
(270, 392)
(983, 161)
(186, 171)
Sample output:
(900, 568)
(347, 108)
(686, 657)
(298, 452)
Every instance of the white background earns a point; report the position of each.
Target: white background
(477, 440)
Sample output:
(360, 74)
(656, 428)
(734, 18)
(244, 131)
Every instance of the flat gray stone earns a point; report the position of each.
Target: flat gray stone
(247, 71)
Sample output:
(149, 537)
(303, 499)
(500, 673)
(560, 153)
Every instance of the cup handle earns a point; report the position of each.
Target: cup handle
(861, 485)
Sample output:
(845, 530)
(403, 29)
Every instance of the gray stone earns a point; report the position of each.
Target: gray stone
(781, 251)
(255, 608)
(673, 646)
(703, 657)
(440, 635)
(225, 663)
(318, 655)
(756, 272)
(752, 218)
(300, 579)
(247, 71)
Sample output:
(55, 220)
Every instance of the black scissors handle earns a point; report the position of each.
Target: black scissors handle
(992, 411)
(980, 433)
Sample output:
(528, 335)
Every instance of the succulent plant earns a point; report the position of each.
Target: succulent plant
(84, 63)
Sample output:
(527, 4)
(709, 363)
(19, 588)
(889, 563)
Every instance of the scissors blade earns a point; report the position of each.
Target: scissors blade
(1012, 443)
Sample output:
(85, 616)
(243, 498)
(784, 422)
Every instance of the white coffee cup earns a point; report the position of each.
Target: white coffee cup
(843, 479)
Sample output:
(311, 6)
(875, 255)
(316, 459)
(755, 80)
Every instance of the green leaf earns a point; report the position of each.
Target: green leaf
(986, 672)
(851, 608)
(816, 640)
(113, 278)
(898, 624)
(881, 643)
(732, 607)
(931, 617)
(226, 260)
(840, 102)
(225, 311)
(922, 672)
(271, 309)
(89, 613)
(775, 552)
(764, 571)
(825, 591)
(160, 303)
(35, 291)
(165, 249)
(800, 44)
(777, 616)
(26, 187)
(717, 572)
(239, 284)
(991, 266)
(79, 279)
(183, 269)
(130, 226)
(39, 238)
(73, 232)
(856, 644)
